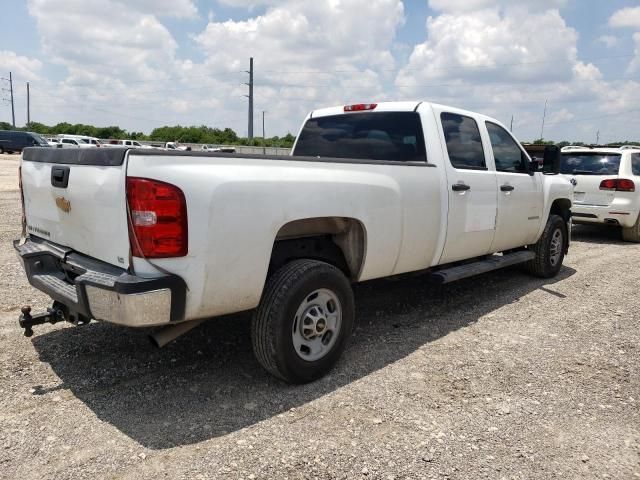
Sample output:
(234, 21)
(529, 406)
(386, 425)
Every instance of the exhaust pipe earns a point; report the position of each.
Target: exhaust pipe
(167, 334)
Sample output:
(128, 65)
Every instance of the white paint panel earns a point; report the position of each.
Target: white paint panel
(96, 224)
(236, 207)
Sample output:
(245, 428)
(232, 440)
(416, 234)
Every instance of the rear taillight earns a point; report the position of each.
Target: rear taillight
(158, 219)
(618, 185)
(360, 107)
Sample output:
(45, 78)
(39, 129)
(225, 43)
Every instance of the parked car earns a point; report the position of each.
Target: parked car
(126, 143)
(79, 141)
(15, 141)
(70, 142)
(176, 146)
(213, 148)
(54, 142)
(159, 238)
(606, 187)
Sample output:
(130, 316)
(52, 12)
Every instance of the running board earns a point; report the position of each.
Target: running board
(494, 262)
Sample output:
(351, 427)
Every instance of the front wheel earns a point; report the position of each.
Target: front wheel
(549, 249)
(304, 320)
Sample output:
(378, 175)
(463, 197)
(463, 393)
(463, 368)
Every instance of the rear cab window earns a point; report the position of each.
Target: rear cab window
(387, 136)
(464, 144)
(590, 163)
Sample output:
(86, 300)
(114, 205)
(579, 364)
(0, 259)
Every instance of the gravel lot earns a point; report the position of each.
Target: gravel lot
(502, 376)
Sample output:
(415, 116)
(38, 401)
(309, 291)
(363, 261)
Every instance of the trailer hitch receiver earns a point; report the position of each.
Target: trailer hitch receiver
(53, 315)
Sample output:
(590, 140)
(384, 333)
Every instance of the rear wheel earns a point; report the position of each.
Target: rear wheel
(632, 234)
(303, 321)
(549, 249)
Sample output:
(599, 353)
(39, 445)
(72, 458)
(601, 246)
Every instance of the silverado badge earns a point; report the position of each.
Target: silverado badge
(63, 204)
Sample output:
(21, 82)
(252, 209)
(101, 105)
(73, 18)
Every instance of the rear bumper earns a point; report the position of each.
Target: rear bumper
(610, 215)
(99, 291)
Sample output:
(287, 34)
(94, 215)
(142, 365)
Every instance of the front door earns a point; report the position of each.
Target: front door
(520, 198)
(471, 189)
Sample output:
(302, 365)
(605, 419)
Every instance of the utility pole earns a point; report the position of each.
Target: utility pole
(511, 127)
(250, 96)
(7, 100)
(264, 144)
(544, 115)
(598, 137)
(28, 106)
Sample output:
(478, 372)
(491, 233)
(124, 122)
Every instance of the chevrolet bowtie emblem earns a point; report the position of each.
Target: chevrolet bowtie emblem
(63, 204)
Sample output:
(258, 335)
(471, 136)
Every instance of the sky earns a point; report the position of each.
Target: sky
(141, 64)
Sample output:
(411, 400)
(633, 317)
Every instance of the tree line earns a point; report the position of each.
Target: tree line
(201, 134)
(177, 133)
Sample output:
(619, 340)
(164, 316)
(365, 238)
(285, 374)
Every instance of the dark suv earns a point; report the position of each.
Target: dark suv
(13, 141)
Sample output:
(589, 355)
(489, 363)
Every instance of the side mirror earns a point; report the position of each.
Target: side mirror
(551, 159)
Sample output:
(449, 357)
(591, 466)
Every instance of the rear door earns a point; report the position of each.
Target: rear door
(586, 170)
(471, 188)
(76, 198)
(520, 198)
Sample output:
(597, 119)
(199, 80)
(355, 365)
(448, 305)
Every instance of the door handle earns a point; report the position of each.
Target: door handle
(507, 188)
(460, 187)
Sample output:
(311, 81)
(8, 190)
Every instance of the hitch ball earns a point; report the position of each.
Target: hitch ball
(25, 320)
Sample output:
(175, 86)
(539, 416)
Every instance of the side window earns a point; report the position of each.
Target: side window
(635, 163)
(464, 144)
(507, 153)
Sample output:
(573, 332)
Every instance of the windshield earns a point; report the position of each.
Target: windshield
(39, 139)
(395, 136)
(590, 163)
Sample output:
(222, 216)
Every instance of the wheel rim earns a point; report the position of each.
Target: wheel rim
(555, 249)
(317, 323)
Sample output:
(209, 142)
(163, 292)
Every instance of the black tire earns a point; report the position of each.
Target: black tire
(1, 150)
(273, 322)
(545, 265)
(632, 234)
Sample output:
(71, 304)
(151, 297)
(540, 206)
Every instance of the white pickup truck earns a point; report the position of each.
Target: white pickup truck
(155, 238)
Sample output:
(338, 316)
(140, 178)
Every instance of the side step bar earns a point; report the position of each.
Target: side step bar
(494, 262)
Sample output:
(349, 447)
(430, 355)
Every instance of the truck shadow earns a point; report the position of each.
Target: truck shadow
(207, 383)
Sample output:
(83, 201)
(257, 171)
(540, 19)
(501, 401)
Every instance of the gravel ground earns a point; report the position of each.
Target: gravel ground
(501, 376)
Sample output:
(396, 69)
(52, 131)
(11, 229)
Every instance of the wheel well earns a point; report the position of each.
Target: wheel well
(561, 207)
(336, 240)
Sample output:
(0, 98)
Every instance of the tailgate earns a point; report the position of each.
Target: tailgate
(76, 198)
(587, 190)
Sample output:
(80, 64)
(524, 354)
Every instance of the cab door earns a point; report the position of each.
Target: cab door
(520, 198)
(471, 185)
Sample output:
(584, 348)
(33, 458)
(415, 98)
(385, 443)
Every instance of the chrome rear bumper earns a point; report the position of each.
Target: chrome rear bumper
(96, 290)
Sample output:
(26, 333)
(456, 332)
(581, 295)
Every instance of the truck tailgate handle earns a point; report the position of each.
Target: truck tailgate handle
(460, 187)
(60, 176)
(507, 188)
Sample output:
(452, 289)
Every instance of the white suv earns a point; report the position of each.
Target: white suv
(606, 187)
